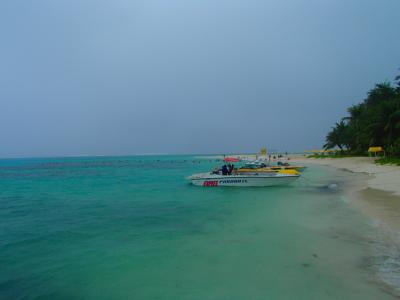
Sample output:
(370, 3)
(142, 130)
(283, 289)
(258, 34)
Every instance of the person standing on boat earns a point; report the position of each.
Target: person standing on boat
(224, 170)
(230, 169)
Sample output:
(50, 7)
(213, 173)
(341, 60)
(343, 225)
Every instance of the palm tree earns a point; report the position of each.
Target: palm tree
(337, 136)
(392, 121)
(374, 122)
(382, 91)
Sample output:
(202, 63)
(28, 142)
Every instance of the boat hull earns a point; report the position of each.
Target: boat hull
(243, 181)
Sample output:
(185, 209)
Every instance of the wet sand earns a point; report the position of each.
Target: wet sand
(382, 177)
(376, 194)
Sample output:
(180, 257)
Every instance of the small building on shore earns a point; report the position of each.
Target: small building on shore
(376, 150)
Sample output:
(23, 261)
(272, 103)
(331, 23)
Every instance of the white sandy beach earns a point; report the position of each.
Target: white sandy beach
(383, 177)
(378, 196)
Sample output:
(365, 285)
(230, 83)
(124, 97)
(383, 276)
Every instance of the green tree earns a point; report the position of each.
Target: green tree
(337, 137)
(373, 122)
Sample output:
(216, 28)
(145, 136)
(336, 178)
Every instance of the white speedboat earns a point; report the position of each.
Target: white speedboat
(254, 179)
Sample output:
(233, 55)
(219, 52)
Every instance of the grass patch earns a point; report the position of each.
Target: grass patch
(388, 161)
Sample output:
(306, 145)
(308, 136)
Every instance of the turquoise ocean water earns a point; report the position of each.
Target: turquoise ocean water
(133, 228)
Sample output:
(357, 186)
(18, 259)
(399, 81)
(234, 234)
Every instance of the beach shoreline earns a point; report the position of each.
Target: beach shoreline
(382, 177)
(377, 195)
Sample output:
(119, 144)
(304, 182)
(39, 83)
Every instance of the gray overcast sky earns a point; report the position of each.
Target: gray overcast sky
(96, 77)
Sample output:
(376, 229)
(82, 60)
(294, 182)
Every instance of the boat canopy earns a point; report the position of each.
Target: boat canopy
(375, 149)
(231, 159)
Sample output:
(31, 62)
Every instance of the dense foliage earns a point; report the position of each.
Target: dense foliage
(374, 122)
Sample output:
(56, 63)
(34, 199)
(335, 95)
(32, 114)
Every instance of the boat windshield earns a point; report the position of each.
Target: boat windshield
(253, 166)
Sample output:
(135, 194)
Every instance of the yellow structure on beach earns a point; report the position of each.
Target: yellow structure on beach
(376, 149)
(264, 151)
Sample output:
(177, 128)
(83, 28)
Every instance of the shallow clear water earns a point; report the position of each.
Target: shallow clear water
(133, 228)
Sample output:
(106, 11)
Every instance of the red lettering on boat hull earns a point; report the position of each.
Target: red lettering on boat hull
(210, 183)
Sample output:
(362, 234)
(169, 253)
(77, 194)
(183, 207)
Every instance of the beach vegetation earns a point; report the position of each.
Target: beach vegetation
(388, 161)
(373, 122)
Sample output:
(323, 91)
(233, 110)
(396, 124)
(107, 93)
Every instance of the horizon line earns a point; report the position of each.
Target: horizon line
(139, 154)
